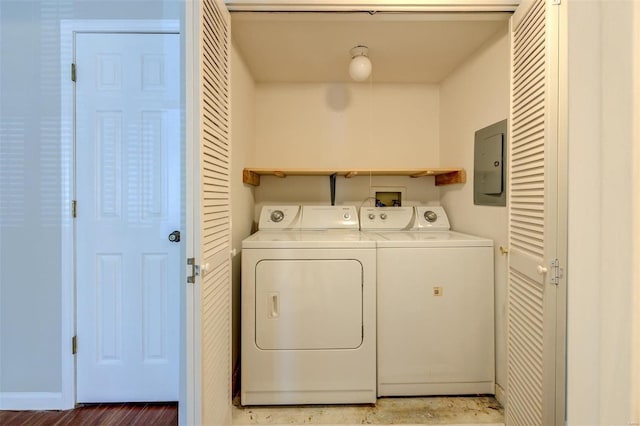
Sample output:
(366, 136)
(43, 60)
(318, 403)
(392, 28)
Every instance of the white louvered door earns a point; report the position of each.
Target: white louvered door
(533, 217)
(212, 214)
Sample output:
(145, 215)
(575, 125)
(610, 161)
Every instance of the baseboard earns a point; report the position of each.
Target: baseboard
(32, 401)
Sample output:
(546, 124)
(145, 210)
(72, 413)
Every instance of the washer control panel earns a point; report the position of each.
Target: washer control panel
(386, 218)
(279, 217)
(431, 218)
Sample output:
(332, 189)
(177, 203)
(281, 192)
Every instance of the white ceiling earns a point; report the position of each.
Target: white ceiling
(403, 48)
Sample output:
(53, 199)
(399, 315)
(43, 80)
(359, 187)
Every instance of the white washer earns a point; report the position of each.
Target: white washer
(435, 304)
(308, 308)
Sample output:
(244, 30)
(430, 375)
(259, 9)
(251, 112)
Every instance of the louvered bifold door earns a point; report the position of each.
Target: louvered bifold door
(214, 213)
(532, 215)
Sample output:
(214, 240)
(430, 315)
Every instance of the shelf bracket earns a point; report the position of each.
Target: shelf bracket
(250, 178)
(459, 176)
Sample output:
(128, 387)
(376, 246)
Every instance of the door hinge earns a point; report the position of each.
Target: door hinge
(556, 272)
(73, 72)
(74, 345)
(193, 270)
(74, 208)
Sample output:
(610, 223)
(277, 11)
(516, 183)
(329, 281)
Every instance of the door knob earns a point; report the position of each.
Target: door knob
(541, 270)
(174, 237)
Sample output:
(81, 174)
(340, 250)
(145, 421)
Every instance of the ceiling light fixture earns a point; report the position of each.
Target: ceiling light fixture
(360, 66)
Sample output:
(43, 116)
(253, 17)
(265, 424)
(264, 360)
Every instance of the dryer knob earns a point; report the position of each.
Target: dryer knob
(430, 216)
(372, 216)
(277, 215)
(346, 216)
(383, 216)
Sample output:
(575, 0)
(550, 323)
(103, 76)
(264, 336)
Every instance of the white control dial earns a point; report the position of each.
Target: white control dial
(430, 216)
(346, 216)
(277, 215)
(383, 216)
(372, 216)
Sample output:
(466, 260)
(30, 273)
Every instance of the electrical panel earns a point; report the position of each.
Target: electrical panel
(489, 171)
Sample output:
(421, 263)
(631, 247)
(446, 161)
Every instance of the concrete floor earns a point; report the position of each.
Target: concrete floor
(457, 410)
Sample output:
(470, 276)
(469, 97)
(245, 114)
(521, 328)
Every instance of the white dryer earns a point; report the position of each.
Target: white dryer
(435, 304)
(308, 308)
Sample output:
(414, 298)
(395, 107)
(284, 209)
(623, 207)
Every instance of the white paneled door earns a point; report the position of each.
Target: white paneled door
(535, 379)
(127, 104)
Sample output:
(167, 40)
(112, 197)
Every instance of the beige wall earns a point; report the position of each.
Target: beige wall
(242, 152)
(475, 96)
(346, 126)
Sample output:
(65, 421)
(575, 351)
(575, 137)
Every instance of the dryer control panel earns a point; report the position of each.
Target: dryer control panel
(279, 217)
(329, 217)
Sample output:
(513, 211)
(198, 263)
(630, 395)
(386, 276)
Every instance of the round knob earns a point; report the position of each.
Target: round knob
(372, 216)
(383, 216)
(541, 269)
(277, 215)
(430, 216)
(174, 237)
(346, 216)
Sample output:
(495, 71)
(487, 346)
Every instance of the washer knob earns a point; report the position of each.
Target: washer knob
(430, 216)
(383, 216)
(346, 216)
(372, 216)
(277, 215)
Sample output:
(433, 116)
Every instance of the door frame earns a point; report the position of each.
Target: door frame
(68, 29)
(367, 5)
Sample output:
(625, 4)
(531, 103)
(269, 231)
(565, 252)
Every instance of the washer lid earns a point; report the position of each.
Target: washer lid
(309, 239)
(417, 239)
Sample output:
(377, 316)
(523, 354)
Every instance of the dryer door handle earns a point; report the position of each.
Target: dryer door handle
(274, 305)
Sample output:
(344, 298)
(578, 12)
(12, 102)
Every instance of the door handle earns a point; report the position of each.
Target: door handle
(174, 237)
(274, 306)
(541, 269)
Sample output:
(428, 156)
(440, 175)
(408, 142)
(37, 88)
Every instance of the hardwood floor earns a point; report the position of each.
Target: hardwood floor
(165, 414)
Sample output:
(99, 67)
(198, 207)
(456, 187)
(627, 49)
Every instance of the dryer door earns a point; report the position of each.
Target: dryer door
(308, 304)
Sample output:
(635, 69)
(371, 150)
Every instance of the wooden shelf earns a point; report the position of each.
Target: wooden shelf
(251, 176)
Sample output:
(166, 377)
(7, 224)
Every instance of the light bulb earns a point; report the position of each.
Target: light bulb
(360, 68)
(360, 65)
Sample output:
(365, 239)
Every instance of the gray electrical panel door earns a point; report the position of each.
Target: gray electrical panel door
(489, 171)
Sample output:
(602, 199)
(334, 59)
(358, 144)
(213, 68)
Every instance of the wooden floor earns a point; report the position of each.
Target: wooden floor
(165, 414)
